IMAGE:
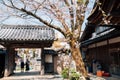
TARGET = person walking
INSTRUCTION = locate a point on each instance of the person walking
(27, 65)
(22, 66)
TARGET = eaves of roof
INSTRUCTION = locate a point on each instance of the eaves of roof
(26, 33)
(114, 33)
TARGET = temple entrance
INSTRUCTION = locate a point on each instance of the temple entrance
(15, 37)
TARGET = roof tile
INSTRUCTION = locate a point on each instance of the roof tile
(26, 33)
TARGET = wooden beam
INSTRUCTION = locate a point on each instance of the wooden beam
(115, 13)
(32, 45)
(112, 26)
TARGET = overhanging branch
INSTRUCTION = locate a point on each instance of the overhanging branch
(43, 21)
(71, 13)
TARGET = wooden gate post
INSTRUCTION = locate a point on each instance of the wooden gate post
(9, 61)
(6, 63)
(42, 62)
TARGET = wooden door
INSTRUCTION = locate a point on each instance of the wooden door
(49, 64)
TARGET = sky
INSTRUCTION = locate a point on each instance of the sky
(87, 13)
(13, 20)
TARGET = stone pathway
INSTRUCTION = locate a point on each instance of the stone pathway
(34, 75)
(31, 75)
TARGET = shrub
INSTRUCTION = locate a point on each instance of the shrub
(74, 75)
(65, 73)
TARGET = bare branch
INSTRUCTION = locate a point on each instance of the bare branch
(23, 3)
(71, 11)
(59, 16)
(3, 2)
(39, 6)
(43, 21)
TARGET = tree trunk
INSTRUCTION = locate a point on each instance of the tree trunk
(76, 54)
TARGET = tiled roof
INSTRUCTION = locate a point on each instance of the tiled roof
(25, 33)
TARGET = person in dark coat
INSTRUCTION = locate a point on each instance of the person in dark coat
(22, 66)
(15, 66)
(27, 65)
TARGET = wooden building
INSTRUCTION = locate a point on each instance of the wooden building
(50, 62)
(23, 36)
(101, 39)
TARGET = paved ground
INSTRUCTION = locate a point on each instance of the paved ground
(31, 75)
(112, 78)
(94, 77)
(34, 75)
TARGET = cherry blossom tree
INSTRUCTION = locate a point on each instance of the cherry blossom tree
(65, 16)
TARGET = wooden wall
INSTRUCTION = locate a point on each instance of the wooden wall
(106, 53)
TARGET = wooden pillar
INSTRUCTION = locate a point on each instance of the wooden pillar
(9, 61)
(42, 62)
(96, 50)
(6, 63)
(108, 52)
(39, 60)
(12, 60)
(55, 63)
